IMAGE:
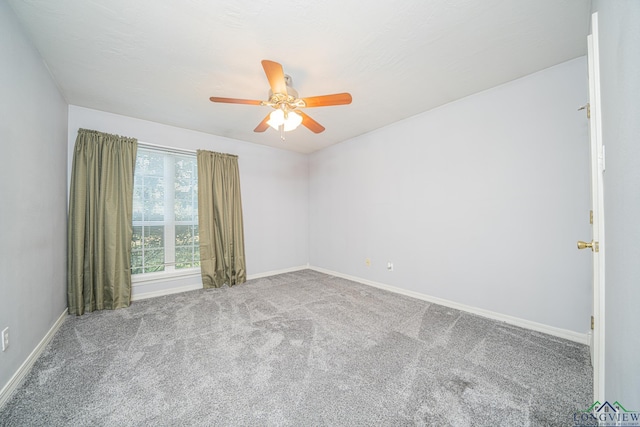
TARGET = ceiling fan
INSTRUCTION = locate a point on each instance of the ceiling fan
(283, 98)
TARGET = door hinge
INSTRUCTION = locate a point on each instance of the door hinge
(587, 107)
(592, 322)
(590, 217)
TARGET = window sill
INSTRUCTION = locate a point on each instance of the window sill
(164, 276)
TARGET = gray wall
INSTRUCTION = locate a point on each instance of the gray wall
(619, 25)
(33, 149)
(274, 189)
(479, 202)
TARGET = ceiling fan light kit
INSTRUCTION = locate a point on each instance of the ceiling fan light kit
(289, 120)
(283, 98)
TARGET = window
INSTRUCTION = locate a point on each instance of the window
(165, 212)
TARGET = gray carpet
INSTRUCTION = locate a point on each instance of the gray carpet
(299, 349)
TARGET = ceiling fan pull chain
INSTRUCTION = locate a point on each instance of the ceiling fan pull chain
(282, 132)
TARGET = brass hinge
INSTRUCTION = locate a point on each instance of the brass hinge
(592, 322)
(588, 108)
(590, 217)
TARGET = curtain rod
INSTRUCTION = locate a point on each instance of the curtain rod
(143, 144)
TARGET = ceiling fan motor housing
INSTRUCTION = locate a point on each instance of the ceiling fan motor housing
(290, 90)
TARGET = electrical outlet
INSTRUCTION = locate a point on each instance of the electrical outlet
(390, 266)
(5, 338)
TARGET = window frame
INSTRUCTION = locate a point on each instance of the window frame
(169, 222)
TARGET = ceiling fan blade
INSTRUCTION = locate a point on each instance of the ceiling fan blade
(311, 124)
(235, 101)
(275, 75)
(263, 125)
(326, 100)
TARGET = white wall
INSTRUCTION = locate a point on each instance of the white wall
(33, 149)
(479, 202)
(620, 86)
(274, 187)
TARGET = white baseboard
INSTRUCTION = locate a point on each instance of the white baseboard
(516, 321)
(179, 289)
(26, 366)
(276, 272)
(162, 292)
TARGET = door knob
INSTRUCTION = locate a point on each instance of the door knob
(584, 245)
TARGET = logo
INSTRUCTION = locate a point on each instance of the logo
(607, 414)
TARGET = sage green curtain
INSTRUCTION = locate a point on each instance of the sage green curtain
(220, 225)
(100, 222)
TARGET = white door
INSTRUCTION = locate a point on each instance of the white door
(597, 235)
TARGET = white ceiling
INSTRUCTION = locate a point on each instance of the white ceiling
(161, 60)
